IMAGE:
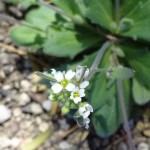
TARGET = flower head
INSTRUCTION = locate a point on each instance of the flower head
(85, 110)
(62, 79)
(76, 95)
(82, 73)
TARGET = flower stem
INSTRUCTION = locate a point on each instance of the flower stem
(124, 114)
(98, 58)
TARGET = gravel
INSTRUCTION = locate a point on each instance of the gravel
(5, 113)
(33, 108)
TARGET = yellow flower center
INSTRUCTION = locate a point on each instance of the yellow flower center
(76, 94)
(64, 83)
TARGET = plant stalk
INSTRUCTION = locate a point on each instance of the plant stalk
(117, 14)
(124, 114)
(98, 58)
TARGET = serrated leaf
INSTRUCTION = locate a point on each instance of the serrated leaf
(67, 43)
(141, 94)
(122, 73)
(100, 12)
(27, 36)
(41, 17)
(137, 12)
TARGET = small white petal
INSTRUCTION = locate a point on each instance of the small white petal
(71, 96)
(87, 120)
(59, 76)
(78, 72)
(86, 114)
(89, 107)
(81, 92)
(69, 75)
(56, 88)
(77, 99)
(70, 87)
(53, 71)
(84, 84)
(86, 73)
(76, 89)
(86, 126)
(81, 111)
(52, 82)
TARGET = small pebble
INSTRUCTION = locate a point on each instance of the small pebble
(122, 146)
(147, 133)
(64, 145)
(5, 142)
(5, 113)
(15, 142)
(47, 104)
(25, 85)
(33, 108)
(143, 146)
(43, 126)
(23, 99)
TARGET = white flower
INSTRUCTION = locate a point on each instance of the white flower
(76, 94)
(83, 122)
(81, 72)
(86, 122)
(85, 110)
(81, 75)
(62, 79)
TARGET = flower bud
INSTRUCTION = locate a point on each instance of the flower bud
(65, 110)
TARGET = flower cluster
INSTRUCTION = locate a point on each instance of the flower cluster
(69, 89)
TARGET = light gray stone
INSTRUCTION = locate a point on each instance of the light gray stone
(5, 113)
(64, 145)
(47, 104)
(33, 108)
(25, 85)
(23, 99)
(143, 146)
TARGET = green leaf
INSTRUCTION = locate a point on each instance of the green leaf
(27, 36)
(41, 17)
(12, 1)
(141, 94)
(138, 14)
(122, 73)
(37, 141)
(107, 115)
(27, 3)
(138, 57)
(101, 12)
(74, 8)
(45, 76)
(67, 43)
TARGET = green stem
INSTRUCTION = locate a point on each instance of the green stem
(98, 58)
(124, 114)
(117, 13)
